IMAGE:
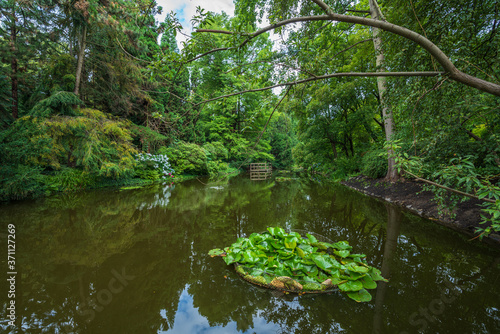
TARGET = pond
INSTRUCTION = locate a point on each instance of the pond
(135, 261)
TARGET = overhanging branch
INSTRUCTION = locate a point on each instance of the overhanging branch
(425, 43)
(448, 188)
(328, 76)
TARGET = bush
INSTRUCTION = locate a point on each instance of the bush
(187, 158)
(374, 164)
(217, 167)
(344, 167)
(69, 179)
(21, 182)
(153, 167)
(216, 151)
(98, 143)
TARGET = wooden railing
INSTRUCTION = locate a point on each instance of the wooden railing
(260, 171)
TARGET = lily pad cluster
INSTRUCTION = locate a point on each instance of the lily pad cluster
(290, 262)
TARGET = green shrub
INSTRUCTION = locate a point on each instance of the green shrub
(374, 164)
(187, 158)
(69, 179)
(21, 182)
(217, 167)
(344, 167)
(146, 139)
(153, 166)
(147, 174)
(216, 151)
(93, 141)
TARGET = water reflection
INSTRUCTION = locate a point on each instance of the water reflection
(135, 261)
(189, 320)
(390, 246)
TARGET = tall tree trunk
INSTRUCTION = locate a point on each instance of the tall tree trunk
(79, 65)
(376, 14)
(334, 148)
(13, 65)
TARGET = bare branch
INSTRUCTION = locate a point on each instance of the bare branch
(121, 46)
(358, 11)
(273, 63)
(207, 53)
(328, 76)
(169, 93)
(350, 47)
(221, 32)
(449, 189)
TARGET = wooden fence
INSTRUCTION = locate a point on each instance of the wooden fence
(260, 171)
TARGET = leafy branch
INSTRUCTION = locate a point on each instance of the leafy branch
(459, 173)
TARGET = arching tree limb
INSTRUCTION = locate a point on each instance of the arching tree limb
(430, 47)
(327, 76)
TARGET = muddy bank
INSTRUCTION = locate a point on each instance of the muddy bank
(409, 195)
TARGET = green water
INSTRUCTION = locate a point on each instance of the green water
(135, 261)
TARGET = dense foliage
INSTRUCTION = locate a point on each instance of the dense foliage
(290, 262)
(86, 86)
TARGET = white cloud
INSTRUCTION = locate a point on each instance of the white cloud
(186, 9)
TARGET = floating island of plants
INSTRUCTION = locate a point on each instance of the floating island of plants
(292, 263)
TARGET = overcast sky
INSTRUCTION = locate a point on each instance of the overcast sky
(186, 9)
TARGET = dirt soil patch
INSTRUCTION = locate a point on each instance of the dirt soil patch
(409, 195)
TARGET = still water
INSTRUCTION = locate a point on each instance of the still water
(135, 261)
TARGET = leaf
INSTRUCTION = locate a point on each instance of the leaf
(216, 252)
(342, 245)
(271, 230)
(320, 245)
(342, 253)
(351, 286)
(336, 280)
(300, 252)
(230, 258)
(368, 282)
(311, 271)
(276, 231)
(249, 257)
(321, 261)
(312, 238)
(362, 256)
(291, 243)
(359, 269)
(256, 272)
(277, 245)
(360, 296)
(375, 274)
(307, 248)
(285, 254)
(353, 276)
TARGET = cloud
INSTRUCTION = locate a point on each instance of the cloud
(186, 9)
(189, 320)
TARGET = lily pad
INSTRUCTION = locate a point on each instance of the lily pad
(360, 296)
(216, 252)
(351, 286)
(288, 261)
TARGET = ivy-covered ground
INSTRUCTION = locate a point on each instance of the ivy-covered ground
(409, 194)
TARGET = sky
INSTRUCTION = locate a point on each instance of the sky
(189, 320)
(186, 9)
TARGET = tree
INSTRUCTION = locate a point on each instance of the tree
(280, 18)
(388, 119)
(20, 44)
